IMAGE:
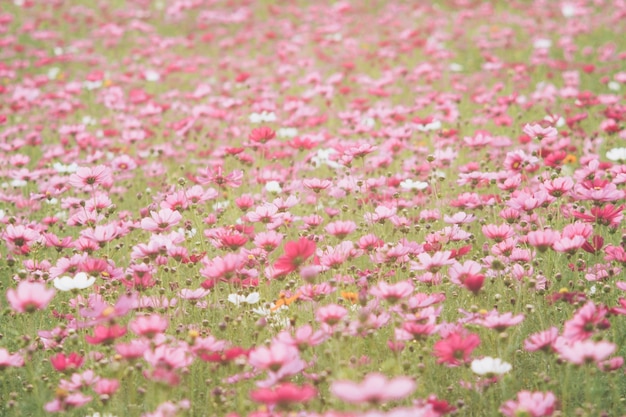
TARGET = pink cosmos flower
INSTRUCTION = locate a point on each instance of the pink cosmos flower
(132, 350)
(275, 357)
(29, 296)
(19, 238)
(569, 245)
(296, 253)
(542, 340)
(330, 314)
(543, 239)
(106, 387)
(168, 357)
(392, 293)
(63, 363)
(340, 229)
(455, 349)
(588, 319)
(374, 389)
(304, 337)
(284, 394)
(7, 359)
(585, 351)
(216, 176)
(148, 326)
(105, 335)
(89, 178)
(467, 274)
(432, 263)
(500, 322)
(161, 221)
(316, 185)
(66, 401)
(532, 404)
(498, 232)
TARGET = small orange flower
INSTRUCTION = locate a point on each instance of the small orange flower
(570, 159)
(350, 296)
(283, 300)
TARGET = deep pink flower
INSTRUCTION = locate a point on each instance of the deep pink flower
(284, 394)
(296, 253)
(105, 335)
(261, 135)
(467, 274)
(455, 349)
(64, 363)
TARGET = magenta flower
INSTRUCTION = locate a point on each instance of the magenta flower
(374, 389)
(29, 296)
(284, 394)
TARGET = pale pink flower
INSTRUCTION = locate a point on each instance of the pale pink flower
(89, 178)
(392, 292)
(275, 357)
(169, 357)
(161, 221)
(585, 351)
(7, 359)
(148, 326)
(29, 296)
(543, 239)
(432, 263)
(531, 404)
(375, 389)
(542, 341)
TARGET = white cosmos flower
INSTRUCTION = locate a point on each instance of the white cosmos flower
(62, 169)
(273, 187)
(428, 127)
(287, 132)
(262, 117)
(238, 299)
(151, 75)
(80, 281)
(616, 154)
(490, 366)
(409, 184)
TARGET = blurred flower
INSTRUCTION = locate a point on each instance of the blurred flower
(375, 389)
(80, 281)
(490, 367)
(29, 296)
(238, 299)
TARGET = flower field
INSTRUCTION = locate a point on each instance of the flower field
(312, 208)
